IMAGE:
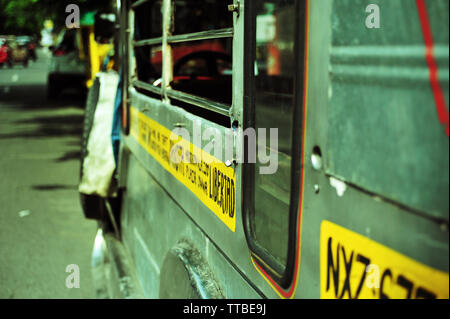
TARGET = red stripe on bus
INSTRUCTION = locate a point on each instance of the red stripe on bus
(439, 99)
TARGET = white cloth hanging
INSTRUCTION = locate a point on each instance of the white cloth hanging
(99, 165)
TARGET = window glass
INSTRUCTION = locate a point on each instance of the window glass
(148, 25)
(274, 103)
(204, 68)
(201, 15)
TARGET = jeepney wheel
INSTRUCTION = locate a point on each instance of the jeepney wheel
(25, 63)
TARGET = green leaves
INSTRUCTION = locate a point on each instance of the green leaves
(27, 16)
(20, 16)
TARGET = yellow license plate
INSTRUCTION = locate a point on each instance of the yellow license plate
(353, 266)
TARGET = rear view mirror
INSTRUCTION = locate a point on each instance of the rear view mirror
(104, 27)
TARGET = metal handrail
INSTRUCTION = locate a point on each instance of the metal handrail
(138, 3)
(147, 87)
(196, 36)
(145, 42)
(207, 104)
(203, 35)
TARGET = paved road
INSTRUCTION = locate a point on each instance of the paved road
(42, 228)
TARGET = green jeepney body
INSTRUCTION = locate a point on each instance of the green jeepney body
(372, 212)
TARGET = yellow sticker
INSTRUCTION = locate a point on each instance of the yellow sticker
(353, 266)
(204, 175)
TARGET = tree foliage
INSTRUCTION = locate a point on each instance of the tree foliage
(27, 16)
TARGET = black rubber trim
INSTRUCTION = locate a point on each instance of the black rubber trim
(282, 274)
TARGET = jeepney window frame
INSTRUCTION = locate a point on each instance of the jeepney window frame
(165, 91)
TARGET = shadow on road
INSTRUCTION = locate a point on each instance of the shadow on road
(71, 155)
(34, 97)
(49, 126)
(53, 187)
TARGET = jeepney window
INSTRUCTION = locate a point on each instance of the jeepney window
(197, 60)
(148, 25)
(198, 57)
(201, 15)
(203, 69)
(274, 70)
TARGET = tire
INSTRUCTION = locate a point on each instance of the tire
(25, 63)
(94, 207)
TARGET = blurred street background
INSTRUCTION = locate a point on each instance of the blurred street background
(42, 227)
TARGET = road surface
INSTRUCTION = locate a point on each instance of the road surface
(42, 227)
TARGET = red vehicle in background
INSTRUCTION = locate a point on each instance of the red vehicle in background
(12, 52)
(202, 69)
(28, 42)
(3, 51)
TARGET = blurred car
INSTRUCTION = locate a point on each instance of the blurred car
(23, 39)
(15, 53)
(67, 69)
(3, 51)
(30, 43)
